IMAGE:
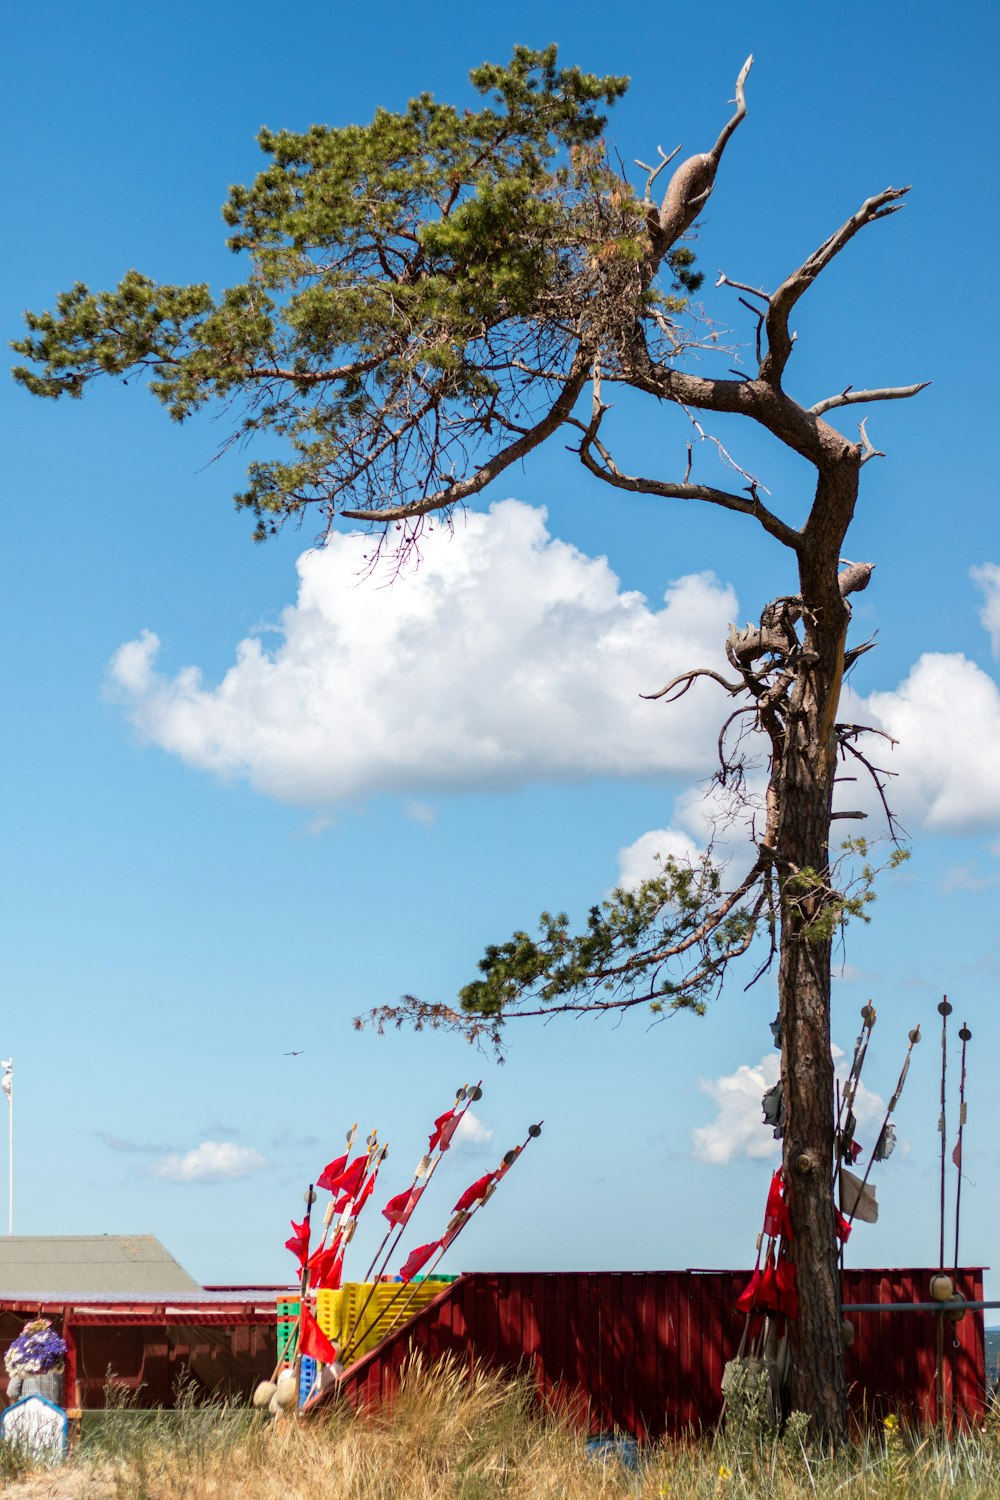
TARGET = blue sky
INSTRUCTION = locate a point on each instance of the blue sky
(188, 895)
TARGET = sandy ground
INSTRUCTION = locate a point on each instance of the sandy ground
(68, 1482)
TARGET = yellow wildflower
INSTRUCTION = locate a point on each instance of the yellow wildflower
(725, 1473)
(891, 1422)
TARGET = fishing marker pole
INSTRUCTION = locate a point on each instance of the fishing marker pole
(426, 1167)
(455, 1226)
(966, 1036)
(914, 1038)
(944, 1010)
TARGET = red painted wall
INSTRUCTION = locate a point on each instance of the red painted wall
(643, 1352)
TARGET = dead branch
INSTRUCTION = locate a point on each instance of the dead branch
(691, 184)
(654, 172)
(779, 340)
(868, 449)
(850, 397)
(846, 733)
(687, 678)
(741, 109)
(741, 286)
(607, 470)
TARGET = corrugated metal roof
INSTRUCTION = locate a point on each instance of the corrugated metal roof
(89, 1264)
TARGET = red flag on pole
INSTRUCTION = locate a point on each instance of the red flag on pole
(399, 1209)
(326, 1264)
(363, 1196)
(474, 1194)
(298, 1244)
(444, 1128)
(776, 1221)
(314, 1342)
(328, 1268)
(349, 1182)
(331, 1174)
(417, 1259)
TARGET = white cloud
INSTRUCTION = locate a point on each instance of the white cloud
(988, 578)
(946, 716)
(642, 860)
(507, 657)
(738, 1133)
(471, 1131)
(212, 1161)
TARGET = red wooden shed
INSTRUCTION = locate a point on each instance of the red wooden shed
(643, 1351)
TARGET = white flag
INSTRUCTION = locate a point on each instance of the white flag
(7, 1082)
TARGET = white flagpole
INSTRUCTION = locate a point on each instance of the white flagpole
(7, 1084)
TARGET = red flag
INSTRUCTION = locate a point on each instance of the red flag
(298, 1244)
(776, 1221)
(352, 1179)
(417, 1259)
(331, 1174)
(363, 1196)
(444, 1128)
(317, 1256)
(841, 1228)
(314, 1342)
(328, 1267)
(399, 1209)
(747, 1300)
(474, 1194)
(788, 1297)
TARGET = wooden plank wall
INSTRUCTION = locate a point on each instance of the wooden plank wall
(643, 1352)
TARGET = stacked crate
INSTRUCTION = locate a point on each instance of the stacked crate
(390, 1303)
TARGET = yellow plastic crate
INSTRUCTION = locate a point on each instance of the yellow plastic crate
(392, 1302)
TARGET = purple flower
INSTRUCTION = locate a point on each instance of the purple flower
(35, 1351)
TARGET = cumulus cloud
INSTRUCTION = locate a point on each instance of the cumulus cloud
(946, 717)
(737, 1133)
(507, 657)
(643, 859)
(212, 1161)
(471, 1131)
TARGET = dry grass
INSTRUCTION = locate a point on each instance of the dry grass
(448, 1438)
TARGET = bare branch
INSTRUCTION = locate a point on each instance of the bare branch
(868, 449)
(691, 185)
(687, 678)
(654, 172)
(792, 288)
(741, 286)
(741, 109)
(453, 494)
(850, 397)
(608, 471)
(846, 733)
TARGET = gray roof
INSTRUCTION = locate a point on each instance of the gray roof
(89, 1264)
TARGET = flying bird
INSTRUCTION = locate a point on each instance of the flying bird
(294, 1054)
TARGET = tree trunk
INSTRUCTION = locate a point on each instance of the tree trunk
(806, 772)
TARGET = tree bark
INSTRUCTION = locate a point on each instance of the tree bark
(804, 772)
